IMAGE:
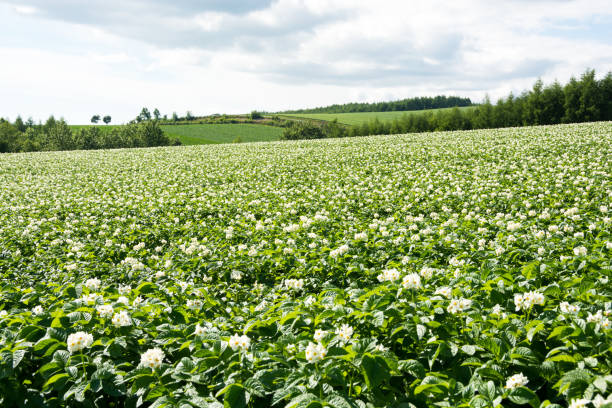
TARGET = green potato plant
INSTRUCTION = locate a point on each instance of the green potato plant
(451, 269)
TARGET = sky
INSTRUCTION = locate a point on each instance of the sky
(77, 58)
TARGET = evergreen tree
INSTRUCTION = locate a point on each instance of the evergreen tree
(552, 104)
(535, 106)
(589, 100)
(605, 87)
(571, 103)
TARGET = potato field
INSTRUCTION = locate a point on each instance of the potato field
(451, 269)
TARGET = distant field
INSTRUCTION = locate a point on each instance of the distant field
(103, 128)
(210, 133)
(222, 133)
(358, 118)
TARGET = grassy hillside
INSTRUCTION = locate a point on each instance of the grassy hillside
(103, 128)
(358, 118)
(222, 133)
(210, 133)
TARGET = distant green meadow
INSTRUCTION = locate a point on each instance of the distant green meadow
(357, 118)
(197, 134)
(222, 133)
(103, 128)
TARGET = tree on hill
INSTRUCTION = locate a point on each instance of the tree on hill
(95, 118)
(144, 115)
(106, 119)
(156, 114)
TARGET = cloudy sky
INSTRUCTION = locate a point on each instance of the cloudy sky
(75, 58)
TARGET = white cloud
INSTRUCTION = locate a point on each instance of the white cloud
(27, 10)
(220, 56)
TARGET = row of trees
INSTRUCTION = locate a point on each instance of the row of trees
(409, 104)
(57, 135)
(305, 129)
(580, 100)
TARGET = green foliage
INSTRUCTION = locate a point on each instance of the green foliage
(254, 115)
(303, 130)
(57, 135)
(9, 135)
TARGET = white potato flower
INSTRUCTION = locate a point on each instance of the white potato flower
(240, 342)
(294, 284)
(411, 281)
(123, 300)
(93, 284)
(319, 335)
(79, 341)
(105, 310)
(389, 275)
(528, 299)
(344, 332)
(361, 236)
(90, 298)
(122, 318)
(579, 403)
(515, 381)
(194, 304)
(565, 307)
(458, 305)
(444, 291)
(600, 401)
(341, 250)
(38, 310)
(580, 251)
(152, 358)
(315, 352)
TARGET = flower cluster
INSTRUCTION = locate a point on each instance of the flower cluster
(458, 305)
(315, 352)
(515, 381)
(79, 341)
(527, 300)
(122, 318)
(294, 284)
(240, 342)
(390, 275)
(411, 281)
(152, 358)
(344, 332)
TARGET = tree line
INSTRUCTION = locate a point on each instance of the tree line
(57, 135)
(579, 100)
(408, 104)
